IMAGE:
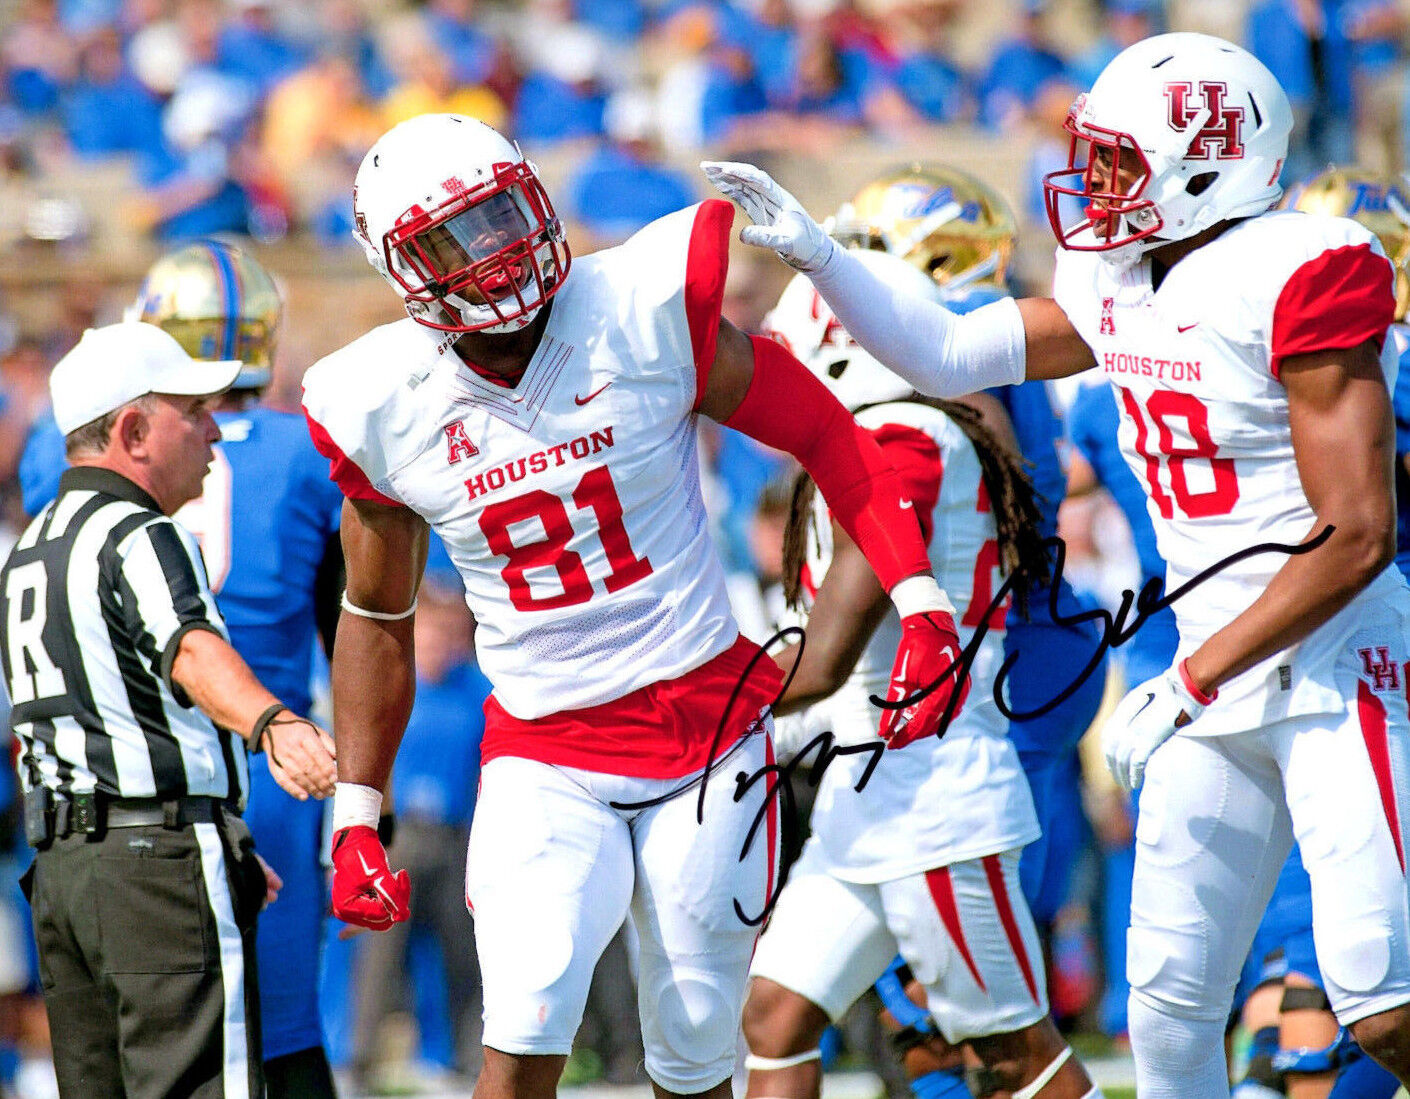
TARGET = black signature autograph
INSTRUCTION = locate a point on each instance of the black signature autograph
(1117, 629)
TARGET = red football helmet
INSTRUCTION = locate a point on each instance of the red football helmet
(452, 215)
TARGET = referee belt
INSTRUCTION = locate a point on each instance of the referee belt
(90, 813)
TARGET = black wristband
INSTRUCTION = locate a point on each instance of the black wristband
(386, 828)
(261, 724)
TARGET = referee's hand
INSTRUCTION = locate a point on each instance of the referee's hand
(302, 757)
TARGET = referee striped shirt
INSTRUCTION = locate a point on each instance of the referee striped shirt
(94, 601)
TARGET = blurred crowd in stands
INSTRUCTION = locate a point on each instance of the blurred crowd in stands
(249, 117)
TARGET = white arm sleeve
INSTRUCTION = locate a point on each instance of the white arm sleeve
(942, 354)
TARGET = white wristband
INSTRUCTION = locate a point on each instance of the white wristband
(919, 595)
(380, 616)
(354, 804)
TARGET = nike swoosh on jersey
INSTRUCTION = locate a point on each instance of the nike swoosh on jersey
(580, 401)
(908, 504)
(1186, 327)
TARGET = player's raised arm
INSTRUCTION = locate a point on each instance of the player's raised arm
(374, 683)
(940, 353)
(757, 387)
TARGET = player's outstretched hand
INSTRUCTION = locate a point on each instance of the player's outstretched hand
(780, 222)
(927, 660)
(365, 891)
(1146, 718)
(302, 757)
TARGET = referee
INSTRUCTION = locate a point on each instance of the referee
(145, 885)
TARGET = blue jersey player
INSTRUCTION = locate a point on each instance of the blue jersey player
(267, 522)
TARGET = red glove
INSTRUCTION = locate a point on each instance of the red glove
(365, 891)
(929, 649)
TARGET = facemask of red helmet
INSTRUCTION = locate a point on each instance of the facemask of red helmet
(1098, 202)
(490, 256)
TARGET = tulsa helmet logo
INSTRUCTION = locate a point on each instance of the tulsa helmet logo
(1222, 135)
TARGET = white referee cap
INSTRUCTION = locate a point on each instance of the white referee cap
(113, 365)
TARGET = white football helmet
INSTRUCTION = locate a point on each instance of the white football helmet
(805, 324)
(1180, 132)
(452, 215)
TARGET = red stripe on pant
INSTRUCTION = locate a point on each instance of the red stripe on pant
(1372, 713)
(994, 871)
(771, 817)
(942, 892)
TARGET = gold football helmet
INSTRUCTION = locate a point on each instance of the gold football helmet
(1380, 203)
(218, 303)
(955, 228)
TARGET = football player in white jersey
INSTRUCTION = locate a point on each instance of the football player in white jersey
(1248, 348)
(542, 420)
(915, 850)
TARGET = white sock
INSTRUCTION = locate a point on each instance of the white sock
(1176, 1057)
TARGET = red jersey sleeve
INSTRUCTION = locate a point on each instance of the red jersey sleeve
(915, 456)
(1337, 300)
(706, 265)
(342, 469)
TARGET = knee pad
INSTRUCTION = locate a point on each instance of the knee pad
(915, 1021)
(1339, 1052)
(1260, 1072)
(941, 1084)
(1299, 998)
(690, 1036)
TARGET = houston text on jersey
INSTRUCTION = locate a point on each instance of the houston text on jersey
(538, 462)
(1147, 366)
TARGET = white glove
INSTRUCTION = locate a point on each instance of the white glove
(1145, 719)
(780, 222)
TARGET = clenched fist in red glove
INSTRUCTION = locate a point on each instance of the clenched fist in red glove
(365, 891)
(929, 649)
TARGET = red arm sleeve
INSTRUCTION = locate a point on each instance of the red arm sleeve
(1338, 300)
(343, 470)
(706, 265)
(915, 457)
(789, 409)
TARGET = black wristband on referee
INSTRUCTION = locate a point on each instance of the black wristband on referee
(261, 724)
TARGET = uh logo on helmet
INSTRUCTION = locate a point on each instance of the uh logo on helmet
(456, 220)
(1180, 132)
(806, 325)
(219, 303)
(1379, 203)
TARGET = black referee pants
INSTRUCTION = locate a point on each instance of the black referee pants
(147, 961)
